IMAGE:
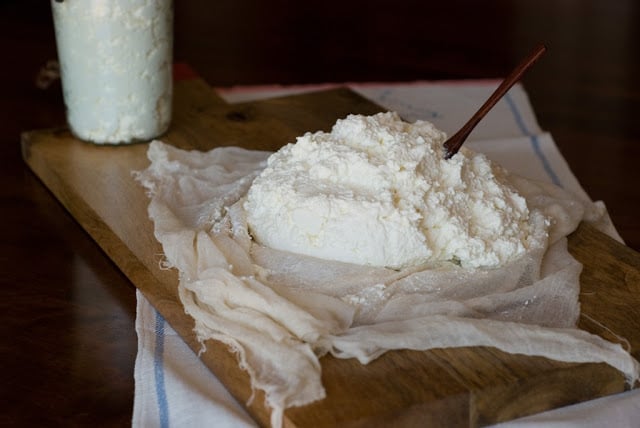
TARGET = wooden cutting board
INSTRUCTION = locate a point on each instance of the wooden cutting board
(443, 387)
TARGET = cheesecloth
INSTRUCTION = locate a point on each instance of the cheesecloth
(280, 312)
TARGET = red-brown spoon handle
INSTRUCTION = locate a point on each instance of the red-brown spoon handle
(453, 144)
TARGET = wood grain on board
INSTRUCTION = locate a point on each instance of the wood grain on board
(443, 387)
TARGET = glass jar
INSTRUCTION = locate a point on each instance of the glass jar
(116, 67)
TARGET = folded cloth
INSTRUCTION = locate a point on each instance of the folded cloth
(172, 386)
(508, 135)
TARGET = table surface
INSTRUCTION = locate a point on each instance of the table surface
(68, 340)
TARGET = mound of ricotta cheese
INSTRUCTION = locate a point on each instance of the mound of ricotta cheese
(377, 191)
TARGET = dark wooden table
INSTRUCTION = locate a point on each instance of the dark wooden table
(68, 339)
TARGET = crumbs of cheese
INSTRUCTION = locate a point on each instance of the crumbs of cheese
(377, 191)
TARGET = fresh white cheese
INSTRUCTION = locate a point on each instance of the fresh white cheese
(116, 67)
(377, 191)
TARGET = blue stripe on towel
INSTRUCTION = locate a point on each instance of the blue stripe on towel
(533, 138)
(158, 370)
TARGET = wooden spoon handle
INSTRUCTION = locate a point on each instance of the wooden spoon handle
(453, 144)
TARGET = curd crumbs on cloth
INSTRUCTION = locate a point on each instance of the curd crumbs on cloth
(377, 191)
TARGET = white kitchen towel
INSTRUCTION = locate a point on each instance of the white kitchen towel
(174, 389)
